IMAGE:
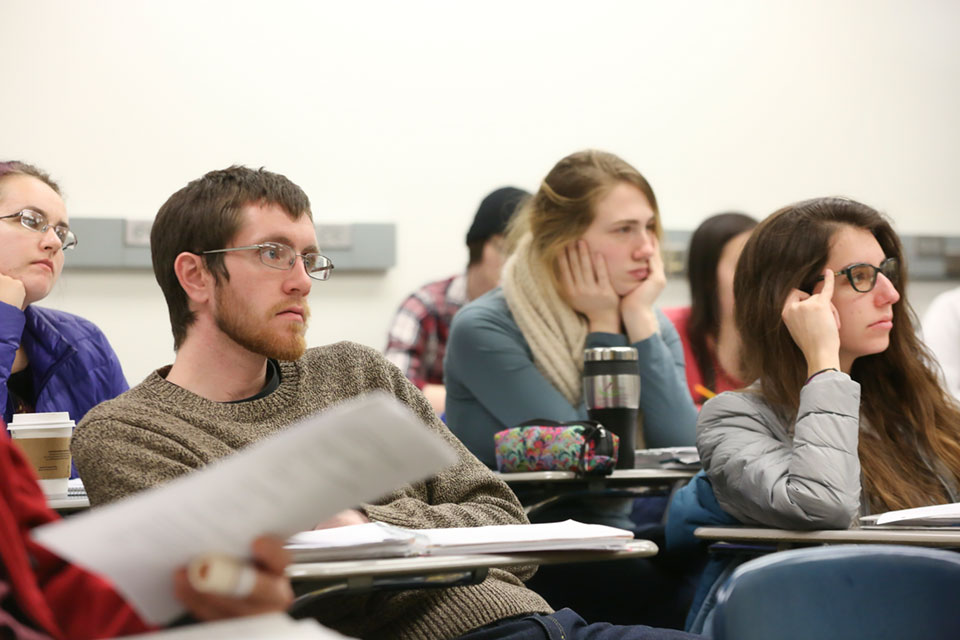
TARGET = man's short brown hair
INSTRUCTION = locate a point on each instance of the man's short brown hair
(206, 214)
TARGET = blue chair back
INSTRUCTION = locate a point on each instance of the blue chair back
(849, 591)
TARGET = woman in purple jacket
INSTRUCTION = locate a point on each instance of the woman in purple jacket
(49, 360)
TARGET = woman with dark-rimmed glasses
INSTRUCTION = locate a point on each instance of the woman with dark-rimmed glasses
(49, 360)
(846, 415)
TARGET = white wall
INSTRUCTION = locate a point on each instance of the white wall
(410, 112)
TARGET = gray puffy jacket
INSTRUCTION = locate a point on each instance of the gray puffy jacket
(798, 472)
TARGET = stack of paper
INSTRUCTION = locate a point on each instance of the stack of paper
(273, 626)
(300, 476)
(361, 541)
(357, 542)
(940, 515)
(668, 458)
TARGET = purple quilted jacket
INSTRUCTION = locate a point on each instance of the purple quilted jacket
(74, 368)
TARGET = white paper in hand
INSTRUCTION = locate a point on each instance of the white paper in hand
(353, 453)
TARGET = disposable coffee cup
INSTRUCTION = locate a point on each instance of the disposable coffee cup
(45, 440)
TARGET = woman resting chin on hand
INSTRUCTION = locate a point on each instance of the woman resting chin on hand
(585, 271)
(49, 360)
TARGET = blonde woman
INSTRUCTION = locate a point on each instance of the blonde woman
(585, 271)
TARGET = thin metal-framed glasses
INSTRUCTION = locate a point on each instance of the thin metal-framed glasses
(36, 221)
(863, 276)
(280, 256)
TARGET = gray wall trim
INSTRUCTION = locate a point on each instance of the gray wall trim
(113, 243)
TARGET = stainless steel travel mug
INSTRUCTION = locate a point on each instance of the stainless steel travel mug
(611, 391)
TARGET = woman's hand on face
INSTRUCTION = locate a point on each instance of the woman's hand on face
(12, 291)
(636, 307)
(588, 288)
(814, 325)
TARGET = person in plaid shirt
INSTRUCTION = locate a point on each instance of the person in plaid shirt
(419, 330)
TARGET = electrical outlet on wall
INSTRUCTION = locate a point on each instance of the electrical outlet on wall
(931, 246)
(136, 233)
(334, 237)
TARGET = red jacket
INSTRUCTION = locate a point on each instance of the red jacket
(59, 598)
(680, 317)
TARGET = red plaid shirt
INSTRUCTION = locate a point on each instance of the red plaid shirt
(418, 334)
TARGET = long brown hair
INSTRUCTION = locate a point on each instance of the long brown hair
(703, 257)
(913, 426)
(563, 207)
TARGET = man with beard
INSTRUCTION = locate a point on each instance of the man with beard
(235, 254)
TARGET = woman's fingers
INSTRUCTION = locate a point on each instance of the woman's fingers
(12, 291)
(813, 323)
(576, 268)
(587, 272)
(828, 283)
(566, 273)
(603, 276)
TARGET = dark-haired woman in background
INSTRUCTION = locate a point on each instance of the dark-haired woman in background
(711, 346)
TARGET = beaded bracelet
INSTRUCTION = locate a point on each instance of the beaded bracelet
(819, 372)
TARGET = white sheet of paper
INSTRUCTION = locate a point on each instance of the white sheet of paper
(271, 626)
(934, 515)
(353, 453)
(370, 540)
(546, 536)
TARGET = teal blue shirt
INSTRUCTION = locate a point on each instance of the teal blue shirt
(492, 382)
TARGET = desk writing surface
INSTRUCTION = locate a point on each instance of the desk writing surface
(913, 536)
(431, 564)
(620, 476)
(70, 503)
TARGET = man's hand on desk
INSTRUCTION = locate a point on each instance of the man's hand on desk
(263, 589)
(344, 519)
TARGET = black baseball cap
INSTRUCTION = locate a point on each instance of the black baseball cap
(495, 212)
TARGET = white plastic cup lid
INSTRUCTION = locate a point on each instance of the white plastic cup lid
(34, 420)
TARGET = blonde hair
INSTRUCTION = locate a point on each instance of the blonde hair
(563, 207)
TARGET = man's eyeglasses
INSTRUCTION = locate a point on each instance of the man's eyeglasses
(863, 276)
(36, 221)
(283, 257)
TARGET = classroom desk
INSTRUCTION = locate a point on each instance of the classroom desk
(69, 504)
(620, 477)
(539, 489)
(783, 539)
(313, 579)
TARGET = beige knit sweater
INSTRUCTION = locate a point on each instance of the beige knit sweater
(158, 431)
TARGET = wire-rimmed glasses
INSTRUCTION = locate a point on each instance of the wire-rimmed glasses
(280, 256)
(36, 221)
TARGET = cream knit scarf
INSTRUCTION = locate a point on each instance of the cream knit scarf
(555, 332)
